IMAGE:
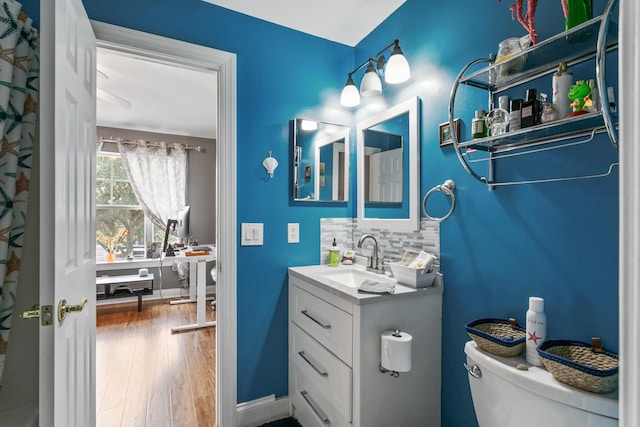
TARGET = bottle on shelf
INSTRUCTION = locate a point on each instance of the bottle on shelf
(561, 85)
(536, 330)
(514, 114)
(497, 121)
(479, 127)
(530, 110)
(549, 112)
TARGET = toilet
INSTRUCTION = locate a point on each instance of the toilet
(505, 396)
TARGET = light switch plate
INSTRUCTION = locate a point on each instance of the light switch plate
(252, 234)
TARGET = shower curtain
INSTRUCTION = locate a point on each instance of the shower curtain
(19, 78)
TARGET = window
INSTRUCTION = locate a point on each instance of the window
(121, 225)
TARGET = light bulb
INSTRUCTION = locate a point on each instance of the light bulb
(350, 96)
(397, 70)
(370, 84)
(308, 125)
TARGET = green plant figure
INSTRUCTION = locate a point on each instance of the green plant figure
(579, 94)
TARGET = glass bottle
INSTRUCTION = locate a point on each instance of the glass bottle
(497, 121)
(530, 110)
(479, 125)
(549, 112)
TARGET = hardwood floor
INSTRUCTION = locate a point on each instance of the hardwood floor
(148, 376)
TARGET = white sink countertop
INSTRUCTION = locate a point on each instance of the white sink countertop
(344, 281)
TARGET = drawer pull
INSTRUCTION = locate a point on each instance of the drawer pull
(323, 418)
(322, 374)
(315, 320)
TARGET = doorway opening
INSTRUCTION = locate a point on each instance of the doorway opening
(154, 49)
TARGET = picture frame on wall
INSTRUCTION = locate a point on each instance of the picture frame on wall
(444, 132)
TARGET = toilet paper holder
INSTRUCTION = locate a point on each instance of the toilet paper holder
(394, 374)
(397, 334)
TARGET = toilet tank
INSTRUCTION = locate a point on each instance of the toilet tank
(508, 397)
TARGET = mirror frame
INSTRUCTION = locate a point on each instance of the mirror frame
(412, 223)
(345, 134)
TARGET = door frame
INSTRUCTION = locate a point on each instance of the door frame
(629, 224)
(224, 63)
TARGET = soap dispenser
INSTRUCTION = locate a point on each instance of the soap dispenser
(536, 330)
(334, 254)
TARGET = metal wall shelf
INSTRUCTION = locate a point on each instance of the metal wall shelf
(573, 46)
(588, 41)
(582, 125)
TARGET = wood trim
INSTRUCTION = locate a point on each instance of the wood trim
(629, 232)
(188, 54)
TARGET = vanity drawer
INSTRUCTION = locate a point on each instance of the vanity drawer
(310, 407)
(326, 323)
(330, 375)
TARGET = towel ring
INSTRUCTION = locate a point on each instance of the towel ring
(447, 188)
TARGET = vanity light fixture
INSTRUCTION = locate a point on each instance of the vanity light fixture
(395, 70)
(370, 84)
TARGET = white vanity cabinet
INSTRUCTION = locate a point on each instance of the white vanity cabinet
(334, 353)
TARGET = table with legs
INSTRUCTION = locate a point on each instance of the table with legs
(197, 289)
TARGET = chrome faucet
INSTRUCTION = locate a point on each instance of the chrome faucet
(373, 262)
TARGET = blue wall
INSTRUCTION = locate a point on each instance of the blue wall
(556, 240)
(281, 74)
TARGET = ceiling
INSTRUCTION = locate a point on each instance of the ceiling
(139, 94)
(342, 21)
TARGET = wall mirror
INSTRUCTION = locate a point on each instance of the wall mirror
(388, 168)
(320, 156)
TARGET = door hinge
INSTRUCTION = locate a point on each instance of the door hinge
(44, 313)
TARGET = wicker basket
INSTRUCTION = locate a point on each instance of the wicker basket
(584, 366)
(498, 336)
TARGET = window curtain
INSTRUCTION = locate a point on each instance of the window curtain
(19, 79)
(158, 174)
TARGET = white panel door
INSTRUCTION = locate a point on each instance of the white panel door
(67, 213)
(385, 176)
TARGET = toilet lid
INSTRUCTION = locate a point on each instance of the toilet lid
(540, 381)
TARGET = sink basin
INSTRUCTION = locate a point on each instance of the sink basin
(353, 277)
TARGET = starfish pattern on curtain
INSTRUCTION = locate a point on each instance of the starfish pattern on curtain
(19, 80)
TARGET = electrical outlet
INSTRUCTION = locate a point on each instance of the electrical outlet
(293, 232)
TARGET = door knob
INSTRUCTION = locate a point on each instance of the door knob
(64, 309)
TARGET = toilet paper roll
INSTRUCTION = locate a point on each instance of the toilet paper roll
(395, 351)
(143, 272)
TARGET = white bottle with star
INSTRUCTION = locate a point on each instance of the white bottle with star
(536, 329)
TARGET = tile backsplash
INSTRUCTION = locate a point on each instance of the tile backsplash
(391, 244)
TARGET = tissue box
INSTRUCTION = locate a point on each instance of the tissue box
(414, 277)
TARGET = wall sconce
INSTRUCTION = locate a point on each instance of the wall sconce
(270, 164)
(395, 70)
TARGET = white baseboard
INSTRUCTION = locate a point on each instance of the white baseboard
(263, 410)
(169, 293)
